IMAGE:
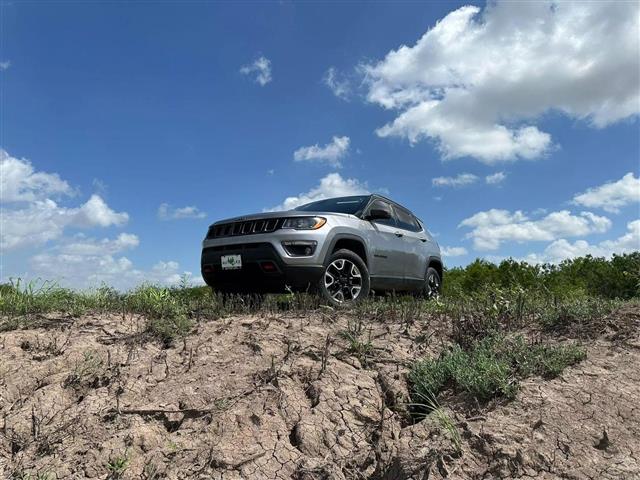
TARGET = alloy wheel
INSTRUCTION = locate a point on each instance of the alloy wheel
(343, 280)
(432, 285)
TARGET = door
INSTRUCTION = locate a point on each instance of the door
(386, 245)
(414, 253)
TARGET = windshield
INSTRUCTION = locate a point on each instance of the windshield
(350, 205)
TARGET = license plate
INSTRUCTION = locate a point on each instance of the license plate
(231, 262)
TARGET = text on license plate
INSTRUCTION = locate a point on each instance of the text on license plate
(231, 262)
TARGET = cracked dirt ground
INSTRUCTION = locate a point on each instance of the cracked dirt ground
(281, 396)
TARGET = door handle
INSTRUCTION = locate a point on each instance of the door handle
(398, 234)
(423, 240)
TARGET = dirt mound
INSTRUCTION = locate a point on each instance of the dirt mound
(318, 396)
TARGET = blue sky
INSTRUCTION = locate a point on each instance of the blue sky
(126, 129)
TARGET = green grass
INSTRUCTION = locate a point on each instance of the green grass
(117, 466)
(479, 298)
(491, 368)
(427, 406)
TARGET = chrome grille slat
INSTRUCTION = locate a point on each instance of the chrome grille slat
(248, 227)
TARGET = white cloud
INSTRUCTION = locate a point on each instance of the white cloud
(90, 270)
(562, 249)
(458, 181)
(337, 83)
(260, 68)
(81, 245)
(612, 195)
(19, 182)
(476, 82)
(333, 185)
(31, 217)
(493, 227)
(166, 212)
(332, 153)
(495, 178)
(453, 251)
(96, 213)
(45, 220)
(84, 263)
(5, 65)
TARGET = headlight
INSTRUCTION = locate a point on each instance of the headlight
(304, 223)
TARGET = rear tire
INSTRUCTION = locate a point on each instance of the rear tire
(345, 279)
(432, 284)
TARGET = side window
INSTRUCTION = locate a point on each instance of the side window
(406, 221)
(391, 222)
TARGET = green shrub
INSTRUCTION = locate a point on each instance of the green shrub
(587, 276)
(491, 368)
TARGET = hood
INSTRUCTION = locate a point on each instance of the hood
(283, 214)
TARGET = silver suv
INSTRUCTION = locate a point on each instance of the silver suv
(342, 247)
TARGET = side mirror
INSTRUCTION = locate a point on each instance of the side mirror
(379, 213)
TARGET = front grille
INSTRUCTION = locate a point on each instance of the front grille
(249, 227)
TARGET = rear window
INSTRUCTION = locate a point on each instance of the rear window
(351, 205)
(406, 221)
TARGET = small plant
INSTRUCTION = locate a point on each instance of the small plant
(166, 312)
(117, 466)
(353, 333)
(88, 372)
(428, 406)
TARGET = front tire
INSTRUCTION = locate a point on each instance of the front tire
(345, 279)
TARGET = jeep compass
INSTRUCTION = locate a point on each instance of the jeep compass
(342, 247)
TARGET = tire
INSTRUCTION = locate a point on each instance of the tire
(432, 284)
(345, 279)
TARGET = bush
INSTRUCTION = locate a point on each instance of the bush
(491, 368)
(615, 278)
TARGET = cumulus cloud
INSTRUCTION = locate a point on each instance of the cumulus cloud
(460, 180)
(81, 245)
(259, 69)
(493, 227)
(477, 82)
(167, 212)
(45, 220)
(333, 185)
(332, 153)
(611, 196)
(85, 262)
(19, 182)
(495, 178)
(562, 249)
(31, 217)
(5, 65)
(90, 270)
(337, 83)
(453, 251)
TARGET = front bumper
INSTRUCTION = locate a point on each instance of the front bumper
(253, 277)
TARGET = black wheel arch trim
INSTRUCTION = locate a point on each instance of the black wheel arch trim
(436, 262)
(347, 236)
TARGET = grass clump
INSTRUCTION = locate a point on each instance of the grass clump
(491, 368)
(579, 314)
(428, 406)
(353, 334)
(117, 466)
(166, 312)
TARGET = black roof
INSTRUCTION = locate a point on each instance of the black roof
(382, 197)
